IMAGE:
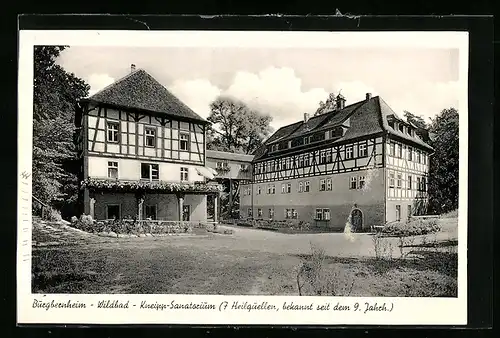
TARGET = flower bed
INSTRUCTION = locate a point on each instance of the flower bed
(134, 227)
(412, 228)
(119, 185)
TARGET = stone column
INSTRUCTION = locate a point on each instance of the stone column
(216, 207)
(92, 207)
(181, 205)
(140, 204)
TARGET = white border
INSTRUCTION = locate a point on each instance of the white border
(407, 311)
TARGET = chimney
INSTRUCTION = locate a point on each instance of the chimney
(132, 68)
(340, 102)
(368, 96)
(306, 117)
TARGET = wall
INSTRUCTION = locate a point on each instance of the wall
(406, 195)
(340, 199)
(130, 169)
(132, 137)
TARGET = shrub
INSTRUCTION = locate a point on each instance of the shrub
(54, 215)
(74, 219)
(412, 228)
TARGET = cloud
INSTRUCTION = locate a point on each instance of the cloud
(197, 94)
(98, 81)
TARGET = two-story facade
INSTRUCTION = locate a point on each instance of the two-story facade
(232, 170)
(359, 160)
(142, 153)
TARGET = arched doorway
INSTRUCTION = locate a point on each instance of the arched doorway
(357, 220)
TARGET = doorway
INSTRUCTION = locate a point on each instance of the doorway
(113, 211)
(357, 220)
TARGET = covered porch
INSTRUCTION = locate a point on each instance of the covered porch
(114, 199)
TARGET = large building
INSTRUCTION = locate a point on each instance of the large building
(142, 153)
(359, 160)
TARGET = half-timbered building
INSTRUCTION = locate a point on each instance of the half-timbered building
(142, 153)
(358, 162)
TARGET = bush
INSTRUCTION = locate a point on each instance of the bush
(54, 215)
(412, 228)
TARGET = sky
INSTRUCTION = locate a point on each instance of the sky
(282, 82)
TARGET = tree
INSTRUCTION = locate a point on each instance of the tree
(236, 127)
(416, 120)
(326, 106)
(444, 165)
(55, 94)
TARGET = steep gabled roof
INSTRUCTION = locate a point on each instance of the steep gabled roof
(139, 90)
(368, 117)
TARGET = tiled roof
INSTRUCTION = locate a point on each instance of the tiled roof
(139, 90)
(223, 155)
(367, 117)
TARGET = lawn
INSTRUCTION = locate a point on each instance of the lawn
(226, 264)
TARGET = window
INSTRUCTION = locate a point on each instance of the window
(328, 184)
(243, 167)
(259, 212)
(424, 158)
(288, 213)
(301, 161)
(113, 129)
(149, 171)
(424, 187)
(361, 182)
(249, 212)
(184, 174)
(184, 141)
(288, 188)
(391, 180)
(283, 188)
(271, 213)
(409, 182)
(329, 156)
(399, 181)
(418, 184)
(398, 213)
(301, 186)
(112, 211)
(348, 152)
(306, 160)
(150, 212)
(259, 190)
(418, 156)
(362, 150)
(113, 169)
(295, 214)
(392, 148)
(400, 150)
(322, 185)
(306, 186)
(353, 183)
(306, 140)
(409, 211)
(322, 158)
(401, 128)
(410, 154)
(322, 214)
(150, 137)
(271, 189)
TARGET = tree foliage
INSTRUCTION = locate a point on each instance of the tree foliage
(55, 94)
(326, 106)
(416, 120)
(236, 127)
(444, 164)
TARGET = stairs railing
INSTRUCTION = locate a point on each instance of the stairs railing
(40, 209)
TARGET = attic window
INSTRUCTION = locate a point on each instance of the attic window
(337, 132)
(401, 128)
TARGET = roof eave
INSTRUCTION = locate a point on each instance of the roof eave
(152, 112)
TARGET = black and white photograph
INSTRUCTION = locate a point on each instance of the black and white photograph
(296, 166)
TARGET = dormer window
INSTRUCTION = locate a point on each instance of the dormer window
(391, 124)
(401, 128)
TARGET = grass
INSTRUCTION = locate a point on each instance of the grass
(186, 267)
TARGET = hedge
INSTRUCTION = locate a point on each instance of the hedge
(411, 228)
